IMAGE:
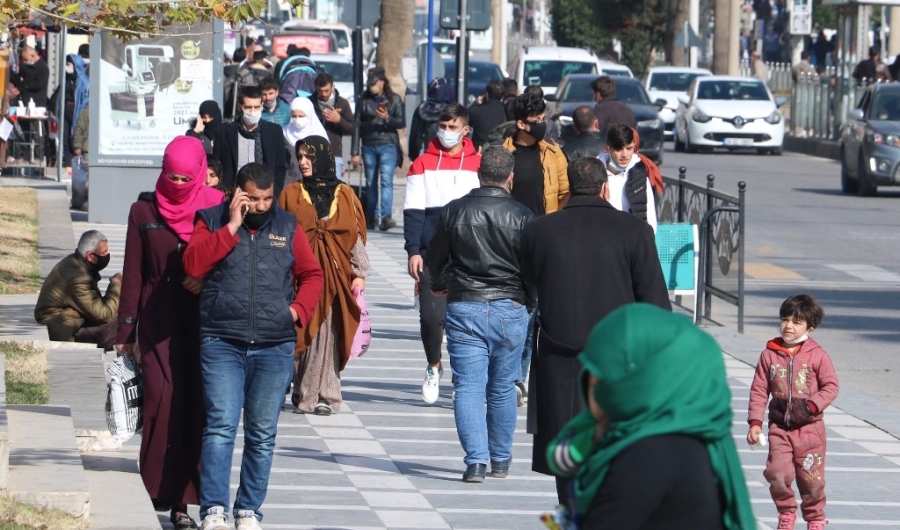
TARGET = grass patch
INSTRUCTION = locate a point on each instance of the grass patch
(26, 375)
(20, 516)
(19, 271)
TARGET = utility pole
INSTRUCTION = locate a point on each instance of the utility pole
(462, 56)
(694, 20)
(497, 32)
(894, 38)
(542, 32)
(734, 38)
(720, 37)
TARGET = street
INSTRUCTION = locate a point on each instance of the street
(804, 235)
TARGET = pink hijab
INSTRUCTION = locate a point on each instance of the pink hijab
(178, 203)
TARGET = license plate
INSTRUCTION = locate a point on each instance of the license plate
(738, 142)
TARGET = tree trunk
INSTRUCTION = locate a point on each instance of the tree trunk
(394, 38)
(677, 16)
(721, 37)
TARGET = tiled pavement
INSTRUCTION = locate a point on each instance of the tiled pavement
(388, 460)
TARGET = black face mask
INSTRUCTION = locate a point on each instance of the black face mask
(255, 221)
(538, 130)
(102, 262)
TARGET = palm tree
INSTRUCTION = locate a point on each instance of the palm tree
(394, 38)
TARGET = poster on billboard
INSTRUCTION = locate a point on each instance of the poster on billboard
(148, 92)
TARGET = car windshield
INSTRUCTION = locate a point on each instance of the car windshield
(615, 72)
(478, 73)
(733, 90)
(672, 81)
(341, 72)
(632, 93)
(578, 89)
(886, 107)
(551, 72)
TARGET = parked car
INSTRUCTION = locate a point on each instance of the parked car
(340, 67)
(729, 112)
(870, 141)
(667, 83)
(575, 90)
(613, 69)
(480, 72)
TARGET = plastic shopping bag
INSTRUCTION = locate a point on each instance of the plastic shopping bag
(124, 410)
(363, 336)
(79, 181)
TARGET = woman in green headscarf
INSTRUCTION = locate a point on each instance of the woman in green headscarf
(653, 447)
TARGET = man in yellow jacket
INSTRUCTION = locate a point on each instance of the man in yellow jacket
(540, 182)
(70, 303)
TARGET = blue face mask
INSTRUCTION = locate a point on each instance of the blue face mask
(268, 106)
(614, 165)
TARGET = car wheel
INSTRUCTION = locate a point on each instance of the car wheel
(687, 143)
(848, 185)
(679, 145)
(777, 151)
(866, 187)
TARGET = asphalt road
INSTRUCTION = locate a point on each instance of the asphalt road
(804, 235)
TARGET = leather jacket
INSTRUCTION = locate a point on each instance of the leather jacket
(474, 253)
(588, 144)
(374, 131)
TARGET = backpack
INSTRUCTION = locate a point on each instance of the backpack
(298, 78)
(501, 132)
(252, 76)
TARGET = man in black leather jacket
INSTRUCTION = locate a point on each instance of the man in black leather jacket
(473, 258)
(588, 143)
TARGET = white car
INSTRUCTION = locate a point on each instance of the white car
(545, 66)
(729, 112)
(613, 69)
(340, 67)
(667, 83)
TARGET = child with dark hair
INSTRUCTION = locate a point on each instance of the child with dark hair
(214, 173)
(800, 377)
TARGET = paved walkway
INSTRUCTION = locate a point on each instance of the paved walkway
(388, 460)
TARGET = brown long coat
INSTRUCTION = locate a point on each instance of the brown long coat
(332, 241)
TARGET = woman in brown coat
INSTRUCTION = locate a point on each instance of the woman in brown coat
(335, 225)
(159, 310)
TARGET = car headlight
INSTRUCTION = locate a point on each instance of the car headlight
(884, 139)
(650, 124)
(774, 118)
(700, 117)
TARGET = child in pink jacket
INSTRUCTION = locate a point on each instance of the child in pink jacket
(799, 376)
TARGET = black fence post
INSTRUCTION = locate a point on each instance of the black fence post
(742, 188)
(707, 272)
(682, 175)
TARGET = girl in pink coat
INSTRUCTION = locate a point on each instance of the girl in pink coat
(800, 377)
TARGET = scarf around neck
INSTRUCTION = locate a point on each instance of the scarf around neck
(323, 182)
(256, 136)
(178, 203)
(670, 381)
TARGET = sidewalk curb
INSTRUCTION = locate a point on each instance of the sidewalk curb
(819, 147)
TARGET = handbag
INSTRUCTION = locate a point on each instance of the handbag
(363, 336)
(124, 407)
(79, 181)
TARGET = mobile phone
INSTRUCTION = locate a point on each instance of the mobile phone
(244, 210)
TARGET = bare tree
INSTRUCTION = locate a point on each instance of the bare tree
(394, 38)
(677, 12)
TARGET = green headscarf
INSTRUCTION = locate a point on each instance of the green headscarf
(659, 374)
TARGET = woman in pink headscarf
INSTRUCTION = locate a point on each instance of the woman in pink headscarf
(159, 312)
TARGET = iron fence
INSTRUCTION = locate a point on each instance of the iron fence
(720, 220)
(780, 79)
(820, 103)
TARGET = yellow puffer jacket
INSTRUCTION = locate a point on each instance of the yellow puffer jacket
(556, 180)
(70, 299)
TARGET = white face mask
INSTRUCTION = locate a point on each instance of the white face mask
(449, 139)
(70, 69)
(252, 118)
(799, 340)
(300, 122)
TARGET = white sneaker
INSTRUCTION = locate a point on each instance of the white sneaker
(431, 387)
(215, 519)
(246, 520)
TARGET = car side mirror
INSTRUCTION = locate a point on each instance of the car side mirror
(684, 99)
(780, 100)
(855, 114)
(660, 103)
(550, 97)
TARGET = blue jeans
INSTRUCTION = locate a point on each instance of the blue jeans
(484, 340)
(382, 158)
(237, 375)
(527, 350)
(339, 169)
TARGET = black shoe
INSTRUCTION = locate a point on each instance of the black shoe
(500, 469)
(387, 223)
(475, 473)
(183, 521)
(370, 223)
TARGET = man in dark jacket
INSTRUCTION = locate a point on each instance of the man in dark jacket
(260, 280)
(32, 79)
(585, 261)
(608, 108)
(250, 139)
(336, 116)
(474, 260)
(70, 303)
(485, 116)
(588, 143)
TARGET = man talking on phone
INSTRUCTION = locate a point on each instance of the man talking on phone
(251, 254)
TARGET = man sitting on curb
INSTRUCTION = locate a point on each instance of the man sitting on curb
(70, 303)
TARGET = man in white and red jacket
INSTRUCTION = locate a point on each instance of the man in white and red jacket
(446, 171)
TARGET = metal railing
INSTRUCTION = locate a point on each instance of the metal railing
(720, 219)
(780, 79)
(819, 105)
